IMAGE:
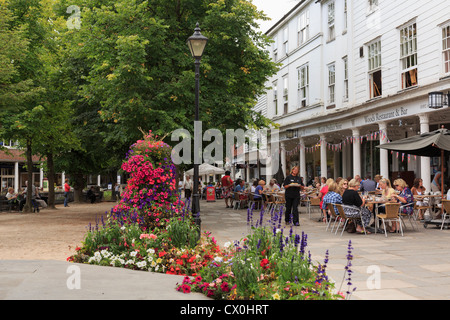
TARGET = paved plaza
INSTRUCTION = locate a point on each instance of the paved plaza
(413, 267)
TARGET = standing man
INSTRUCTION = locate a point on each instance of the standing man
(292, 184)
(66, 193)
(227, 185)
(187, 187)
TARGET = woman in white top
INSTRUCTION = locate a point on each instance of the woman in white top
(11, 195)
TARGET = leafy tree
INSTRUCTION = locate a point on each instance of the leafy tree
(136, 69)
(37, 117)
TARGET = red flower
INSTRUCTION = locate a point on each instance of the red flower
(224, 286)
(264, 264)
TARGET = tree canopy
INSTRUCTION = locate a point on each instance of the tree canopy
(124, 68)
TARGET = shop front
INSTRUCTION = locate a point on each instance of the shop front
(345, 144)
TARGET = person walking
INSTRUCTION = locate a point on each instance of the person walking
(66, 193)
(227, 185)
(292, 184)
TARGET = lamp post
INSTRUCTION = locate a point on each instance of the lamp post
(196, 44)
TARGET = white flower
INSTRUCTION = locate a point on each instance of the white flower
(218, 259)
(151, 251)
(133, 254)
(227, 244)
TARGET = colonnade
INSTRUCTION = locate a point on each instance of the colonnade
(425, 172)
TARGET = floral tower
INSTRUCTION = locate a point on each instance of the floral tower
(151, 196)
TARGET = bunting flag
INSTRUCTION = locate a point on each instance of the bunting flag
(337, 147)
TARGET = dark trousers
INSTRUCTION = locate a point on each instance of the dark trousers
(291, 208)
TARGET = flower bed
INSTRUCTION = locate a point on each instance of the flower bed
(152, 230)
(267, 265)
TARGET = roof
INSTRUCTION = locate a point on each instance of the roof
(14, 155)
(284, 17)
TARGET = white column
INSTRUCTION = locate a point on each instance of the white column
(247, 172)
(425, 170)
(99, 180)
(337, 164)
(16, 177)
(356, 152)
(384, 154)
(41, 177)
(283, 158)
(63, 179)
(323, 156)
(302, 161)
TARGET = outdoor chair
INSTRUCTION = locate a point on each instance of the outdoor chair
(446, 204)
(314, 203)
(411, 217)
(334, 216)
(342, 214)
(235, 200)
(421, 208)
(280, 201)
(392, 213)
(270, 203)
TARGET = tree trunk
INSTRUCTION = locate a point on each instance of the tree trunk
(78, 186)
(51, 181)
(28, 205)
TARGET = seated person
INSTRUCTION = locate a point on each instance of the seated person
(272, 186)
(240, 190)
(91, 195)
(259, 196)
(332, 196)
(12, 197)
(41, 202)
(405, 198)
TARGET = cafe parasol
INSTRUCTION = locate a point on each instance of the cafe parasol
(429, 144)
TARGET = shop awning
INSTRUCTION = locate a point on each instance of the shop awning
(428, 144)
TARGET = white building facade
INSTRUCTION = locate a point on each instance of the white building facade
(355, 74)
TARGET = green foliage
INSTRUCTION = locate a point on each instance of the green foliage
(136, 69)
(183, 233)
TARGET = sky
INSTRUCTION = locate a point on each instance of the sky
(274, 9)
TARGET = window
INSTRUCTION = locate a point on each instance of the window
(408, 55)
(331, 31)
(9, 143)
(285, 41)
(303, 85)
(345, 15)
(345, 61)
(275, 48)
(285, 94)
(446, 48)
(331, 83)
(275, 98)
(373, 5)
(303, 28)
(375, 88)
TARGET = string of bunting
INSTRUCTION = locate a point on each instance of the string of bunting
(376, 135)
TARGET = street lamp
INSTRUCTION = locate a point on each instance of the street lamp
(196, 43)
(435, 100)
